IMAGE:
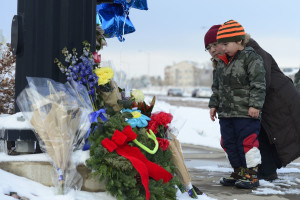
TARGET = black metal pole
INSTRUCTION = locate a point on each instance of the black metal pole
(42, 28)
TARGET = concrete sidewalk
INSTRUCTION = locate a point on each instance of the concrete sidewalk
(208, 180)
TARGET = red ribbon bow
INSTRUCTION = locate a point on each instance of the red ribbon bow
(144, 167)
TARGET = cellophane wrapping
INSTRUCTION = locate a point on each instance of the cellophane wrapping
(58, 114)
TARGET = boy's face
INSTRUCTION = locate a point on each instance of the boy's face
(215, 50)
(230, 48)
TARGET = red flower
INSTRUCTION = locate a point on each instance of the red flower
(163, 143)
(160, 118)
(97, 57)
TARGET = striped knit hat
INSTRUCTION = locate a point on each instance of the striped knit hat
(230, 31)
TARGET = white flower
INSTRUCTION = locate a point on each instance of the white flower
(138, 95)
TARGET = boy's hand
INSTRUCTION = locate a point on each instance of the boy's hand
(213, 114)
(253, 112)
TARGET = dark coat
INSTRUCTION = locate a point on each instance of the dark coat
(281, 110)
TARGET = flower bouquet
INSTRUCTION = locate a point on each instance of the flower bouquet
(138, 101)
(57, 113)
(129, 149)
(86, 71)
(108, 89)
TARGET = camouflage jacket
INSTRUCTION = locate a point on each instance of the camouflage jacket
(297, 80)
(239, 84)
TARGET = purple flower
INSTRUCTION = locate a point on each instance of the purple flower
(82, 73)
(75, 68)
(73, 75)
(92, 92)
(95, 79)
(80, 66)
(88, 71)
(90, 77)
(91, 84)
(87, 63)
(84, 81)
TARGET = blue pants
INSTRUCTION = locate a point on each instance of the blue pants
(239, 140)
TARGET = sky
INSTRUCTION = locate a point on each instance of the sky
(172, 31)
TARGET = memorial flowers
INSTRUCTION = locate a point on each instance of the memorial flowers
(104, 74)
(138, 119)
(137, 95)
(119, 137)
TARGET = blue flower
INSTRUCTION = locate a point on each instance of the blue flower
(73, 75)
(82, 67)
(82, 73)
(92, 92)
(138, 120)
(88, 71)
(86, 62)
(75, 69)
(91, 77)
(84, 81)
(91, 84)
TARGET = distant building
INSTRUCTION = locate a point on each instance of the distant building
(187, 74)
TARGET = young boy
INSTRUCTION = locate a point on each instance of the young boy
(238, 96)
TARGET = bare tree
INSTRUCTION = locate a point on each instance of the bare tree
(7, 79)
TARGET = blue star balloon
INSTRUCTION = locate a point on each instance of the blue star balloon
(138, 4)
(98, 22)
(113, 20)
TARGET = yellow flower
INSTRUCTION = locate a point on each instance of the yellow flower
(136, 114)
(138, 95)
(104, 75)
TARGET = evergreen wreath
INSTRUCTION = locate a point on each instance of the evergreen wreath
(120, 177)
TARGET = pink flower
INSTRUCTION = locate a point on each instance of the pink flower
(97, 57)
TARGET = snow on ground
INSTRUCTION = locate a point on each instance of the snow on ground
(15, 121)
(195, 127)
(36, 191)
(287, 182)
(193, 124)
